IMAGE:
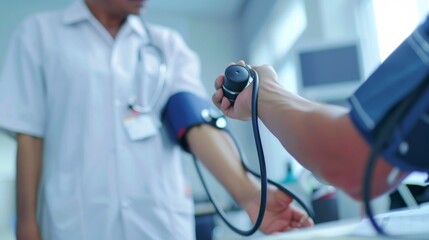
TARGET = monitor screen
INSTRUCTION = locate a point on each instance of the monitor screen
(329, 66)
(329, 72)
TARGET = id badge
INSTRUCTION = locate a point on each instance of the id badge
(141, 126)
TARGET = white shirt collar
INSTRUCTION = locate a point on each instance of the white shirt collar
(79, 11)
(76, 12)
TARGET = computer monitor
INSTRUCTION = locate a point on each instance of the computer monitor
(329, 72)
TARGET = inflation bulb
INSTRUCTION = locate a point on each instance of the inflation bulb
(237, 78)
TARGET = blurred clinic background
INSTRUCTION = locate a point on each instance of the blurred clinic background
(322, 49)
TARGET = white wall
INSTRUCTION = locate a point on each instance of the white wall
(7, 185)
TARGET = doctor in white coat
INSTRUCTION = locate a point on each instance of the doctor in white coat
(64, 93)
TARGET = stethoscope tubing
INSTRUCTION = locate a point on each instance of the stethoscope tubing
(263, 175)
(161, 81)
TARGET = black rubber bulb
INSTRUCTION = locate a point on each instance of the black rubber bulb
(236, 79)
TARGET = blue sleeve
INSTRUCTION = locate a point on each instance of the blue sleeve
(405, 72)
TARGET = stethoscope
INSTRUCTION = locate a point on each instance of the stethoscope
(161, 75)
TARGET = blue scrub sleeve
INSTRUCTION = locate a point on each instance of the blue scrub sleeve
(404, 73)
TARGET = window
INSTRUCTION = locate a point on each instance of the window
(395, 20)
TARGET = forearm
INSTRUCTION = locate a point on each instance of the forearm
(322, 138)
(217, 152)
(29, 161)
(305, 130)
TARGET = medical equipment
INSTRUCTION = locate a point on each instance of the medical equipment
(385, 133)
(398, 122)
(391, 111)
(236, 79)
(149, 49)
(185, 110)
(194, 111)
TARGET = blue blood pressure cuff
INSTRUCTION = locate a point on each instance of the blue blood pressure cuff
(185, 110)
(404, 73)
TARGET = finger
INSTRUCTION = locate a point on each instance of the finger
(307, 222)
(242, 63)
(282, 198)
(219, 81)
(217, 98)
(278, 226)
(300, 219)
(295, 225)
(225, 105)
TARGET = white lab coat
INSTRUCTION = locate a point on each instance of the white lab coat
(66, 80)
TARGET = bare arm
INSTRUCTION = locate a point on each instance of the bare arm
(29, 162)
(215, 149)
(218, 153)
(321, 137)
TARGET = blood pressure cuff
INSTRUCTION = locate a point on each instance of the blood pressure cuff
(404, 73)
(185, 110)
